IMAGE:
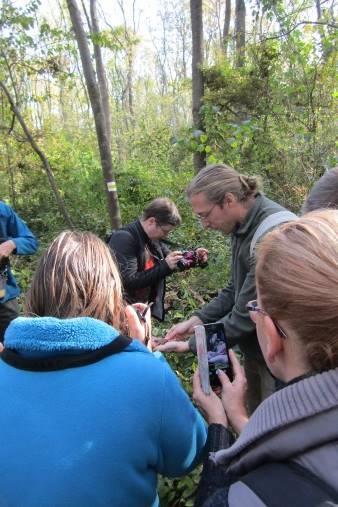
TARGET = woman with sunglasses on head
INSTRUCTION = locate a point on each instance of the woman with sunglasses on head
(88, 416)
(286, 453)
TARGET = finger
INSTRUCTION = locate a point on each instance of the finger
(196, 385)
(223, 378)
(170, 334)
(139, 306)
(136, 329)
(236, 365)
(167, 347)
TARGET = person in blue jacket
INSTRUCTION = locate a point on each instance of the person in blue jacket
(88, 416)
(15, 238)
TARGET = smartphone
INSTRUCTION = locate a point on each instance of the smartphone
(212, 353)
(217, 352)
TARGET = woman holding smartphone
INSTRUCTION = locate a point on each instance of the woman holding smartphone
(288, 447)
(88, 416)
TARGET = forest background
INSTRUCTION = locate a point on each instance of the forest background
(119, 95)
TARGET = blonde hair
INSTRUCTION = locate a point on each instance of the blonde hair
(297, 279)
(215, 181)
(77, 277)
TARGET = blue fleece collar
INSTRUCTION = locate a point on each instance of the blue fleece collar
(49, 334)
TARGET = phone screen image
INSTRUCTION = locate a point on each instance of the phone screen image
(217, 352)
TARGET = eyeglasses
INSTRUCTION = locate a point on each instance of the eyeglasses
(252, 306)
(204, 216)
(165, 231)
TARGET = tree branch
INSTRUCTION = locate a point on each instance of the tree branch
(41, 155)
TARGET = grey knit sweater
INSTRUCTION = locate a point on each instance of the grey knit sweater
(297, 424)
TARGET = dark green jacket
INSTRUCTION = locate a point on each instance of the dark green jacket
(229, 307)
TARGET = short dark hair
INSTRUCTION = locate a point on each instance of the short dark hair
(163, 210)
(324, 193)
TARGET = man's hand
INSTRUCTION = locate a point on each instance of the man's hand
(173, 258)
(172, 346)
(234, 394)
(209, 404)
(183, 329)
(6, 248)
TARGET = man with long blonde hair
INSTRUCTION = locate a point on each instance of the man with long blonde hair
(224, 200)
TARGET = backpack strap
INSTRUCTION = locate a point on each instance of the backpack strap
(268, 223)
(64, 361)
(288, 484)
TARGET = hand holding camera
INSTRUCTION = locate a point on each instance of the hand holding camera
(197, 257)
(6, 248)
(173, 258)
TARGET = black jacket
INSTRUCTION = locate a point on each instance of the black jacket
(129, 245)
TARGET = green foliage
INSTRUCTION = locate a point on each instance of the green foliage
(272, 117)
(115, 39)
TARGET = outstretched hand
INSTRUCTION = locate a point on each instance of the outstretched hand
(172, 346)
(182, 330)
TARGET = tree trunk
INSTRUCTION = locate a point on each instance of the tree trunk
(41, 155)
(99, 115)
(240, 32)
(101, 75)
(226, 27)
(197, 76)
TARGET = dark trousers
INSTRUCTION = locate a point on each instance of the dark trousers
(8, 312)
(260, 381)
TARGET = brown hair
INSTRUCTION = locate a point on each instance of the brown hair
(324, 193)
(164, 211)
(219, 179)
(297, 279)
(77, 277)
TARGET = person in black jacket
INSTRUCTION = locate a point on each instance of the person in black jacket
(144, 261)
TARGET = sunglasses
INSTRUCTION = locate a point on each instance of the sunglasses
(252, 306)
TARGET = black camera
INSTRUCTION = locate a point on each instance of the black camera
(4, 266)
(4, 261)
(190, 260)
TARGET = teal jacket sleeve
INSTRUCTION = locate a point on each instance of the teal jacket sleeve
(182, 432)
(17, 230)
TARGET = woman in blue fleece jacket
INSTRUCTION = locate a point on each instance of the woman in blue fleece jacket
(84, 423)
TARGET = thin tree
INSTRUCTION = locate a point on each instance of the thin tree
(103, 136)
(101, 75)
(41, 155)
(196, 14)
(240, 13)
(226, 26)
